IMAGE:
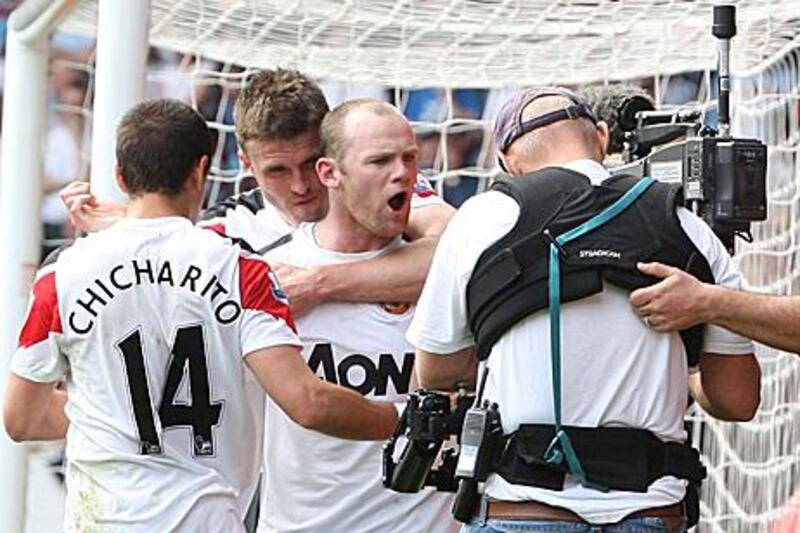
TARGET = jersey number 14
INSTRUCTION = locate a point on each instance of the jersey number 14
(201, 415)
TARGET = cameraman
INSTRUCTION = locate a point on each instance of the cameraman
(615, 372)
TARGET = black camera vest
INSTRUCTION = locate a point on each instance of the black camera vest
(510, 279)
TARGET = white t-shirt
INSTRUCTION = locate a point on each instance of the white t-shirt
(314, 482)
(149, 321)
(616, 372)
(250, 217)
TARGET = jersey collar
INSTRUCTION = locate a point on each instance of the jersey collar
(593, 170)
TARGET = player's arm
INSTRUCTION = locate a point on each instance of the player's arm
(271, 349)
(395, 277)
(86, 212)
(34, 411)
(445, 345)
(446, 372)
(680, 301)
(316, 404)
(727, 387)
(429, 222)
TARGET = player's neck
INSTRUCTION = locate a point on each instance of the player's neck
(340, 232)
(154, 205)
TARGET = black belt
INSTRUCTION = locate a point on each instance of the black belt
(618, 458)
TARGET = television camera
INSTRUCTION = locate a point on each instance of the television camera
(723, 178)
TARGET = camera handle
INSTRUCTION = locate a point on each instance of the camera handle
(724, 28)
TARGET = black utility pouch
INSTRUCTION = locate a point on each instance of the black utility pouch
(619, 458)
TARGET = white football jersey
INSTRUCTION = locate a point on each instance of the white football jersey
(250, 217)
(313, 482)
(149, 321)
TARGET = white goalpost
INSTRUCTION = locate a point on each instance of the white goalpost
(124, 34)
(448, 64)
(23, 124)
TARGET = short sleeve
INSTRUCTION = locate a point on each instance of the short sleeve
(716, 339)
(266, 319)
(37, 356)
(440, 322)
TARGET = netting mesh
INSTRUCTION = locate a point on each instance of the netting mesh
(448, 66)
(466, 43)
(754, 468)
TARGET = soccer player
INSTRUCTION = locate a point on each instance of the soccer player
(163, 332)
(278, 115)
(315, 482)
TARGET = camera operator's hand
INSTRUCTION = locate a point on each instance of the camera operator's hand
(677, 302)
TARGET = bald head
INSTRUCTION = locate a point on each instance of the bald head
(556, 143)
(337, 126)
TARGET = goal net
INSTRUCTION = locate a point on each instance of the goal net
(450, 64)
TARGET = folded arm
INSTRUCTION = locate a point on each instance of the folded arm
(316, 404)
(727, 387)
(394, 277)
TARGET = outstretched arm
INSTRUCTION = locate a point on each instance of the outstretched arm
(316, 404)
(34, 411)
(395, 277)
(680, 301)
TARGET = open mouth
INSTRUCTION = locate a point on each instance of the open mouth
(397, 201)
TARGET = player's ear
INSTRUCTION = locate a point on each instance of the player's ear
(243, 159)
(120, 179)
(603, 137)
(200, 171)
(326, 170)
(205, 165)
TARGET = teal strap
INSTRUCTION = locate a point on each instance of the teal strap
(609, 213)
(561, 448)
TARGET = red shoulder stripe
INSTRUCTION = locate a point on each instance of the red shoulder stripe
(43, 317)
(218, 227)
(260, 291)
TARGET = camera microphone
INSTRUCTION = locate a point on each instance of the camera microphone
(617, 105)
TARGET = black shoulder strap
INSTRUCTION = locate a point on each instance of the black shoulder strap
(509, 280)
(504, 267)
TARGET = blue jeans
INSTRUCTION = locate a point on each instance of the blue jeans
(629, 525)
